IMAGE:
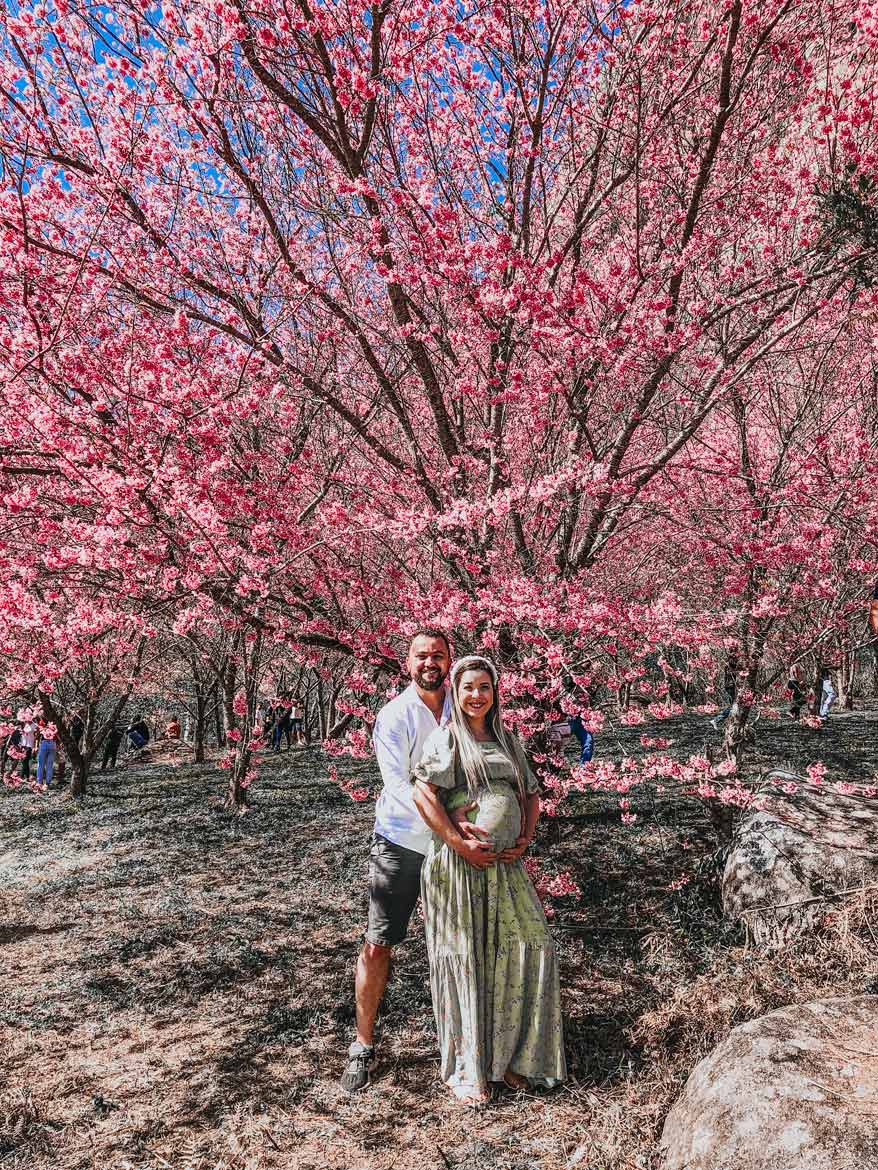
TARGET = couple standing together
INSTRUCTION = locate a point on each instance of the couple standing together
(457, 812)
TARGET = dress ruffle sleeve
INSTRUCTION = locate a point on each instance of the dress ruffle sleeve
(436, 765)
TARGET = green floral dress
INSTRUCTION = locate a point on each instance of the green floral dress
(493, 970)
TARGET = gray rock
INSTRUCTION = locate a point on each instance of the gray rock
(802, 844)
(794, 1090)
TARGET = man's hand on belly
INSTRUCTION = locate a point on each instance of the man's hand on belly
(475, 852)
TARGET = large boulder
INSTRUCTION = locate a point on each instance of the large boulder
(806, 841)
(794, 1090)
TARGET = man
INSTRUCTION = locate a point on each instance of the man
(111, 745)
(281, 719)
(401, 837)
(14, 742)
(797, 692)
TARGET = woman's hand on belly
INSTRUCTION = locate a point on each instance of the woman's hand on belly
(514, 851)
(464, 825)
(500, 815)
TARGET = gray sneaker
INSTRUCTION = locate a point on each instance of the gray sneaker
(356, 1075)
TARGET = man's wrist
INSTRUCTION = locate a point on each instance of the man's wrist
(453, 838)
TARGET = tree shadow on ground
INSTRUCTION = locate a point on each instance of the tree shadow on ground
(11, 933)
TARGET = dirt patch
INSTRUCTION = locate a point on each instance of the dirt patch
(178, 981)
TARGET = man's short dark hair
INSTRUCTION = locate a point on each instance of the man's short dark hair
(431, 632)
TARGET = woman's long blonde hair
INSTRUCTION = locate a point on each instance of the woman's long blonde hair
(469, 753)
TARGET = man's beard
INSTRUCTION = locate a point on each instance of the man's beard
(431, 682)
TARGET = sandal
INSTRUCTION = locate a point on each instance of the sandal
(513, 1081)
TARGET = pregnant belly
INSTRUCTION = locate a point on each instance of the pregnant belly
(499, 814)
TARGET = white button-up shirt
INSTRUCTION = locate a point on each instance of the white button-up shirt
(402, 728)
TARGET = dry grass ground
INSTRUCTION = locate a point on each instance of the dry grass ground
(176, 982)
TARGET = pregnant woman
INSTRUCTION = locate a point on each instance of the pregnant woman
(493, 971)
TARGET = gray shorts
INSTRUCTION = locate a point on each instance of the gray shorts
(394, 888)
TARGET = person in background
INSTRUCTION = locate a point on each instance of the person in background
(264, 718)
(873, 612)
(27, 744)
(297, 719)
(577, 726)
(274, 718)
(7, 729)
(46, 756)
(730, 685)
(77, 728)
(111, 746)
(827, 693)
(585, 737)
(12, 748)
(138, 733)
(172, 730)
(281, 718)
(797, 692)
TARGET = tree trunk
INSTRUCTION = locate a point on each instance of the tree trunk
(338, 728)
(92, 737)
(237, 799)
(321, 714)
(816, 688)
(200, 725)
(846, 669)
(230, 678)
(237, 795)
(79, 778)
(331, 715)
(738, 732)
(306, 720)
(218, 717)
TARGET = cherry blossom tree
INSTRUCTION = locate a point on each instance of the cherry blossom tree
(342, 318)
(766, 516)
